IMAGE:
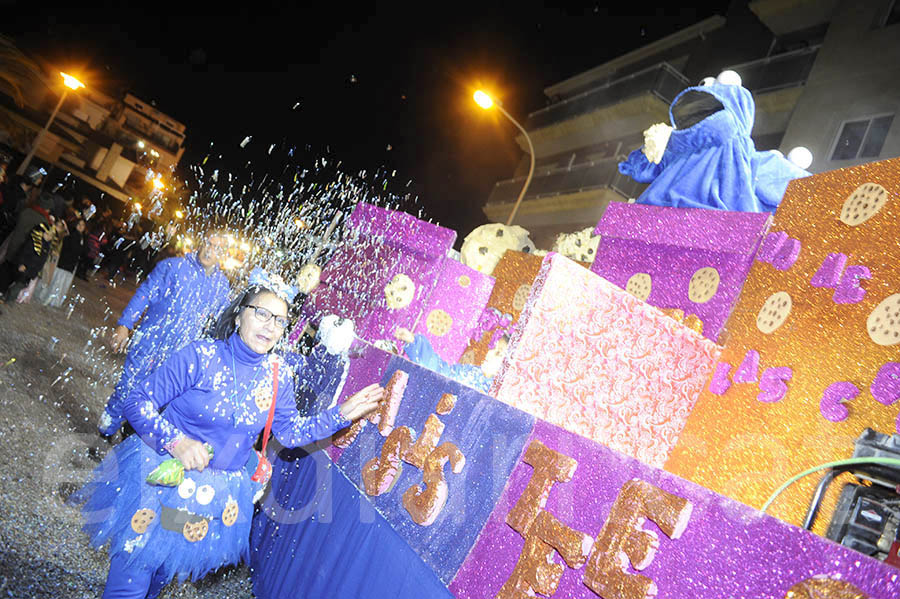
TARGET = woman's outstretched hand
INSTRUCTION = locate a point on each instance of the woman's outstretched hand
(119, 339)
(362, 403)
(191, 453)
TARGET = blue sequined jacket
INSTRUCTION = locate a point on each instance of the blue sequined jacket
(219, 392)
(179, 298)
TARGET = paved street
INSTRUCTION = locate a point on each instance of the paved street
(55, 376)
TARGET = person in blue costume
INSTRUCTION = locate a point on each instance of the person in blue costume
(180, 297)
(323, 372)
(215, 392)
(710, 160)
(418, 349)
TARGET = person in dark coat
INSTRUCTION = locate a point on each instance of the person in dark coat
(15, 197)
(27, 263)
(39, 213)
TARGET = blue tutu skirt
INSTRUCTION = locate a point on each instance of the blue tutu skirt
(185, 531)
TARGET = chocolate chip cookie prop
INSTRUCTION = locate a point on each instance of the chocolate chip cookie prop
(639, 285)
(483, 248)
(690, 259)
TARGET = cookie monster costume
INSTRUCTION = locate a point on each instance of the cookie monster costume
(710, 160)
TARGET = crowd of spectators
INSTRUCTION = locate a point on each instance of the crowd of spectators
(51, 233)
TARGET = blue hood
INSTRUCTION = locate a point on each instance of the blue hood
(704, 100)
(710, 160)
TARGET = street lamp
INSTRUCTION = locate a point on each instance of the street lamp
(70, 83)
(486, 102)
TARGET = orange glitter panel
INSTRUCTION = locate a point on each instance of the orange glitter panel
(814, 317)
(514, 274)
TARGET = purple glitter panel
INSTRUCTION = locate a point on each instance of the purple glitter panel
(380, 244)
(367, 364)
(458, 299)
(719, 230)
(726, 550)
(395, 227)
(671, 245)
(488, 433)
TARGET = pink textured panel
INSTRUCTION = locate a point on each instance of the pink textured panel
(452, 312)
(593, 359)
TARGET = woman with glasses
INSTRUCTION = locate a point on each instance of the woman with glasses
(205, 406)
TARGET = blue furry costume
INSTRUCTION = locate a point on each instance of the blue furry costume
(180, 298)
(710, 160)
(218, 392)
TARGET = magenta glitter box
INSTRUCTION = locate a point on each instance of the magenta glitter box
(691, 259)
(456, 304)
(383, 273)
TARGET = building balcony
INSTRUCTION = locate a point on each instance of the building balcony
(786, 16)
(773, 73)
(661, 80)
(602, 174)
(148, 135)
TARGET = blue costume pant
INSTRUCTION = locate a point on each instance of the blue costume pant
(131, 583)
(142, 359)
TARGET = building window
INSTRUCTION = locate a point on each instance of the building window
(863, 138)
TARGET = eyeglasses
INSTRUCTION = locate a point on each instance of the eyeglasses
(264, 315)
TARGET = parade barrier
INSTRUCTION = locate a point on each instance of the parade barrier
(688, 259)
(812, 352)
(453, 493)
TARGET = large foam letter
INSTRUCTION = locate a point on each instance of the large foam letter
(623, 539)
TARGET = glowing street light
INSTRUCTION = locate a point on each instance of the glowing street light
(70, 82)
(485, 101)
(158, 183)
(179, 214)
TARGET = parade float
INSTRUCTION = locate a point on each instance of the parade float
(645, 411)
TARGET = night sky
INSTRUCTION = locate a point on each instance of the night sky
(367, 78)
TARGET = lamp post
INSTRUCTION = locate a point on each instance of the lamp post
(486, 102)
(70, 83)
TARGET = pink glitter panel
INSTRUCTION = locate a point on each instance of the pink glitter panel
(595, 360)
(452, 313)
(670, 245)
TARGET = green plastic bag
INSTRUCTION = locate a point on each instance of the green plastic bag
(171, 472)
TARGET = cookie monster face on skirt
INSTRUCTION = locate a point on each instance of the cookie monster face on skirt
(188, 530)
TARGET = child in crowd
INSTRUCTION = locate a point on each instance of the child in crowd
(74, 247)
